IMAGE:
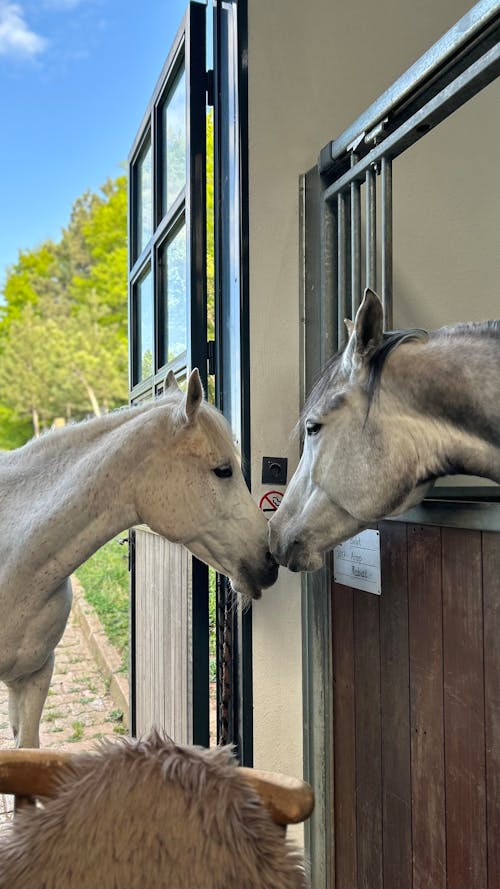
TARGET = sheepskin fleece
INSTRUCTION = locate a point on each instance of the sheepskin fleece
(149, 814)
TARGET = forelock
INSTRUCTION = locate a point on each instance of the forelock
(332, 373)
(216, 427)
(320, 393)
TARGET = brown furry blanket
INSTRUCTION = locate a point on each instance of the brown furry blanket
(148, 814)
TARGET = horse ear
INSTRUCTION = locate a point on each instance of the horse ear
(194, 394)
(349, 325)
(368, 327)
(170, 381)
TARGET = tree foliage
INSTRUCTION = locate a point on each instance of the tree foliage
(63, 313)
(63, 322)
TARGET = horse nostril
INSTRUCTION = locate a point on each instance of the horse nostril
(270, 558)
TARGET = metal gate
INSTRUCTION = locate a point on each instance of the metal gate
(168, 323)
(403, 762)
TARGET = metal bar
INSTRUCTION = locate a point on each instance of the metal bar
(328, 305)
(355, 247)
(318, 721)
(386, 189)
(371, 229)
(342, 225)
(470, 27)
(438, 109)
(310, 280)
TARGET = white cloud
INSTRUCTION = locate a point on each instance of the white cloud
(15, 36)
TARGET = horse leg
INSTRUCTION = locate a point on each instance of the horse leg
(27, 697)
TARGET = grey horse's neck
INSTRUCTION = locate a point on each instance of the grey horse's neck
(452, 379)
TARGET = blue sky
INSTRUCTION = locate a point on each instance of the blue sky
(75, 79)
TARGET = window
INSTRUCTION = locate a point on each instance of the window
(167, 275)
(173, 140)
(173, 297)
(144, 334)
(144, 218)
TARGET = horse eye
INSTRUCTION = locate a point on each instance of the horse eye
(223, 471)
(313, 428)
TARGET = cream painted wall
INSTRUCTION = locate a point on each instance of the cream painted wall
(313, 67)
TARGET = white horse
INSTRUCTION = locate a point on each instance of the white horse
(170, 464)
(389, 415)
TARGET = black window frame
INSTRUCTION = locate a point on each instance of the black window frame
(189, 204)
(188, 49)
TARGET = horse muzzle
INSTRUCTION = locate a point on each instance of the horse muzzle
(293, 553)
(252, 580)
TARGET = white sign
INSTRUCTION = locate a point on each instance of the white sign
(356, 563)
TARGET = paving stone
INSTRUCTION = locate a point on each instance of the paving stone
(79, 709)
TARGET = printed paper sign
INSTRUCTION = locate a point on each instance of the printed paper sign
(356, 563)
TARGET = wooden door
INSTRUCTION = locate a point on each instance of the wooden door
(417, 715)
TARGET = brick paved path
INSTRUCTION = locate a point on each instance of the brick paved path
(79, 709)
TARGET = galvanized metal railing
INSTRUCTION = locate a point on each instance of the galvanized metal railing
(457, 67)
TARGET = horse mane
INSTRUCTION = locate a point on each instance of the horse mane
(471, 328)
(391, 339)
(214, 426)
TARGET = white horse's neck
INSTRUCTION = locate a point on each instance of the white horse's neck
(80, 483)
(450, 385)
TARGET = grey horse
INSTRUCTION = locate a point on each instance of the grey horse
(390, 414)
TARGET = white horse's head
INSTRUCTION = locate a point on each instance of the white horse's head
(193, 492)
(357, 465)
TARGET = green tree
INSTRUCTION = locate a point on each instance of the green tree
(13, 430)
(34, 278)
(63, 325)
(29, 380)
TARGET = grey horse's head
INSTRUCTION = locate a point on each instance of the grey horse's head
(357, 464)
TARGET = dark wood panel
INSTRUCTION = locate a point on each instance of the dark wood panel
(427, 720)
(368, 740)
(344, 738)
(491, 599)
(464, 709)
(395, 707)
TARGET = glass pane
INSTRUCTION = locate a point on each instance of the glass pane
(144, 328)
(174, 296)
(144, 219)
(174, 142)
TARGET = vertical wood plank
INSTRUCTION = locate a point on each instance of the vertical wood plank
(427, 717)
(163, 664)
(395, 707)
(368, 740)
(464, 709)
(491, 599)
(344, 734)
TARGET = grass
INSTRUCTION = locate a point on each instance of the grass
(78, 728)
(105, 581)
(52, 715)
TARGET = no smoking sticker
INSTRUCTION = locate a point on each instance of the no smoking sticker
(270, 501)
